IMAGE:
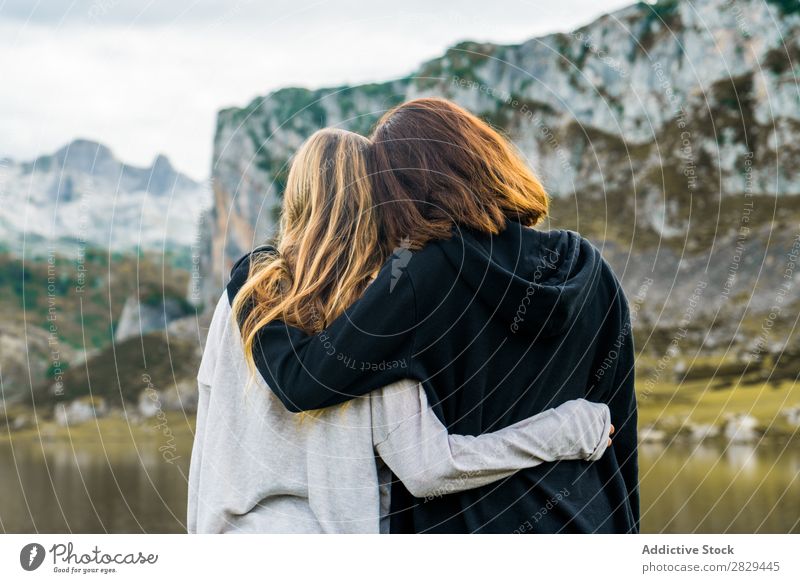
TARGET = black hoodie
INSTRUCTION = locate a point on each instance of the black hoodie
(498, 328)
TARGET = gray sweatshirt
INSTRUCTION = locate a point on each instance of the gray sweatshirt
(256, 467)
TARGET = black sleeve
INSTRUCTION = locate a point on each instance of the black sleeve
(366, 348)
(622, 404)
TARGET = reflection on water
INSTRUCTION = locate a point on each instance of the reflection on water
(712, 489)
(52, 488)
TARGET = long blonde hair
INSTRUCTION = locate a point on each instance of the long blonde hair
(328, 248)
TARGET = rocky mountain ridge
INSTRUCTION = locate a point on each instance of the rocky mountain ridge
(667, 133)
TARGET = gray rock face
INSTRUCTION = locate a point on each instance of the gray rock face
(30, 355)
(139, 318)
(656, 128)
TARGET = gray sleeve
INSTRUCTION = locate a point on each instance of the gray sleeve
(205, 377)
(417, 448)
(193, 498)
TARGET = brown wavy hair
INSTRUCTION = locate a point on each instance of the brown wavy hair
(438, 165)
(328, 248)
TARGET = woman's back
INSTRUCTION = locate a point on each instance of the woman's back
(511, 325)
(258, 468)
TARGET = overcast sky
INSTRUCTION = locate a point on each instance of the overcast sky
(148, 76)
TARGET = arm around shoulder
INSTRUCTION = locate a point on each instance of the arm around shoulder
(416, 446)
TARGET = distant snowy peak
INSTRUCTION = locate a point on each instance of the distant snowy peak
(84, 194)
(88, 158)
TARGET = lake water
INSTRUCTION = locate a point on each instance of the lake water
(52, 487)
(716, 489)
(94, 488)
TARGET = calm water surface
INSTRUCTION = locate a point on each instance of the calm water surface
(51, 487)
(717, 489)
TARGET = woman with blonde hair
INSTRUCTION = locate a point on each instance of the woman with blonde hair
(255, 466)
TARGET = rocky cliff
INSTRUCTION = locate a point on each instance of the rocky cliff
(667, 133)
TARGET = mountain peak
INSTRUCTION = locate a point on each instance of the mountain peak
(82, 146)
(80, 155)
(161, 176)
(162, 164)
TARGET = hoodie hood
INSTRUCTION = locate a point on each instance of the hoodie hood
(538, 281)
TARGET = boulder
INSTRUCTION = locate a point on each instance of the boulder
(701, 431)
(149, 404)
(792, 415)
(139, 318)
(178, 397)
(651, 434)
(741, 428)
(79, 411)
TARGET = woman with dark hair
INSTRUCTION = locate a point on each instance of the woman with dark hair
(497, 320)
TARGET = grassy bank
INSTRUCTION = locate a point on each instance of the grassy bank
(113, 430)
(669, 405)
(664, 405)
